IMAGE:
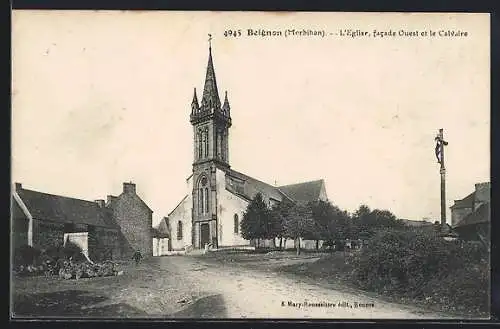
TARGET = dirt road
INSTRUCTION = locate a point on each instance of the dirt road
(197, 287)
(238, 292)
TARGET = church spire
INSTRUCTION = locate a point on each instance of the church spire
(210, 99)
(194, 104)
(226, 108)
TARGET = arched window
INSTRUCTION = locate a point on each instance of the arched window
(236, 224)
(206, 142)
(200, 145)
(203, 199)
(206, 200)
(200, 200)
(179, 230)
(222, 153)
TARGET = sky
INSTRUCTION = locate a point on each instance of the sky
(100, 98)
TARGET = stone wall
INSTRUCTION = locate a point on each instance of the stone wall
(228, 205)
(104, 244)
(183, 214)
(47, 234)
(135, 220)
(458, 214)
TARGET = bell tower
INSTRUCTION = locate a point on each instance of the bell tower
(211, 121)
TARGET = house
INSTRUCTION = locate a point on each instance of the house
(104, 230)
(461, 208)
(216, 195)
(473, 215)
(161, 238)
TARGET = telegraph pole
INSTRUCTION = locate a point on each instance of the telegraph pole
(440, 144)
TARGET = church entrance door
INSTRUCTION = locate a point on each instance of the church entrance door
(205, 234)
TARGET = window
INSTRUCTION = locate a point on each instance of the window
(200, 200)
(203, 198)
(200, 145)
(179, 230)
(206, 200)
(223, 154)
(206, 142)
(236, 224)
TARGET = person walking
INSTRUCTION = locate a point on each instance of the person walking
(137, 257)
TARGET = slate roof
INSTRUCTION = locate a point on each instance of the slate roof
(467, 202)
(253, 186)
(301, 192)
(56, 208)
(480, 215)
(162, 230)
(305, 192)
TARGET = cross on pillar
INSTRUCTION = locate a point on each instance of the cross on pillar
(440, 144)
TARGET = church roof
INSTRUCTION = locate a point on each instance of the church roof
(300, 192)
(56, 208)
(305, 192)
(254, 186)
(210, 97)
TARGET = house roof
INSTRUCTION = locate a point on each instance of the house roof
(56, 208)
(467, 202)
(480, 215)
(162, 230)
(415, 223)
(305, 192)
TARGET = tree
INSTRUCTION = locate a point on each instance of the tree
(366, 223)
(279, 213)
(331, 223)
(256, 222)
(298, 223)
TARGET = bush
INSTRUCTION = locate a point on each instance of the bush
(423, 266)
(26, 255)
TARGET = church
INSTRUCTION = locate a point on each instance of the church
(217, 195)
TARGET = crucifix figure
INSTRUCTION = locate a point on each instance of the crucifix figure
(439, 150)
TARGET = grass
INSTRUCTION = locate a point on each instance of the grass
(450, 295)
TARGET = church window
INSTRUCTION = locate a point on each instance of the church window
(200, 200)
(206, 142)
(222, 146)
(200, 145)
(203, 200)
(179, 230)
(206, 200)
(236, 224)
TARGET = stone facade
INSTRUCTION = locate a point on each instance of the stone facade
(47, 234)
(113, 230)
(135, 219)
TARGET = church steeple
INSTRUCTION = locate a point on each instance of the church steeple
(211, 122)
(195, 107)
(210, 100)
(225, 107)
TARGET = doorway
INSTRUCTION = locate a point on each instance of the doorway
(204, 235)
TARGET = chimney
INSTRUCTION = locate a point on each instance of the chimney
(100, 203)
(129, 187)
(110, 198)
(18, 186)
(482, 194)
